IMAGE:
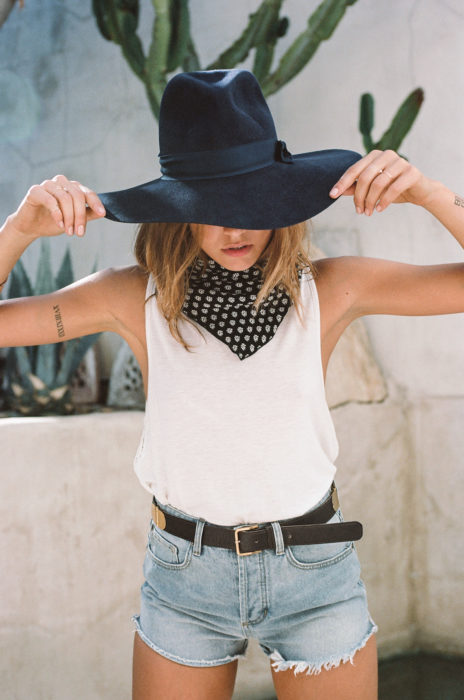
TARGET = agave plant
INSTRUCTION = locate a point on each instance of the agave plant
(37, 379)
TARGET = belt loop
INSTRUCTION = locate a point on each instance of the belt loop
(279, 540)
(198, 537)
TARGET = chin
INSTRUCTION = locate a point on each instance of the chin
(236, 265)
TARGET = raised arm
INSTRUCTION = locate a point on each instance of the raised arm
(376, 286)
(87, 306)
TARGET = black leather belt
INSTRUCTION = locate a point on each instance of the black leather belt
(311, 528)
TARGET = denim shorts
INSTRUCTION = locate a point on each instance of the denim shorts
(306, 604)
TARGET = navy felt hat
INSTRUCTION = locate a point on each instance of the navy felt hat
(222, 163)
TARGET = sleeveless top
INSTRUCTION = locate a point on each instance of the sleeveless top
(234, 441)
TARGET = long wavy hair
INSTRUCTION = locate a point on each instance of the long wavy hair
(167, 250)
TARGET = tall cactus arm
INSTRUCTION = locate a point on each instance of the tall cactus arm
(191, 61)
(263, 61)
(156, 66)
(269, 23)
(100, 11)
(266, 40)
(321, 26)
(117, 21)
(240, 49)
(402, 121)
(180, 33)
(366, 120)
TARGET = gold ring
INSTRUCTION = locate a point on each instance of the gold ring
(380, 171)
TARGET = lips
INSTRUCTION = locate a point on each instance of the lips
(234, 247)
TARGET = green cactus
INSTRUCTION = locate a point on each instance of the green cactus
(399, 127)
(37, 380)
(172, 47)
(320, 27)
(180, 34)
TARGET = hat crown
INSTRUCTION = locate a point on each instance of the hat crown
(212, 110)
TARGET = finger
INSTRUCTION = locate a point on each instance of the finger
(93, 202)
(350, 176)
(368, 179)
(407, 178)
(37, 196)
(381, 182)
(65, 201)
(349, 191)
(79, 206)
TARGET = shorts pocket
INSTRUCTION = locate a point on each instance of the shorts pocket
(316, 556)
(168, 550)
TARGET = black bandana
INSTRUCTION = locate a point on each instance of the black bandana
(221, 301)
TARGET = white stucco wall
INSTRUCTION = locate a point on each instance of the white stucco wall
(400, 464)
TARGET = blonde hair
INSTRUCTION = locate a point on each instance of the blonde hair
(167, 250)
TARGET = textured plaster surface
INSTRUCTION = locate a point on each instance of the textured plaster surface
(70, 104)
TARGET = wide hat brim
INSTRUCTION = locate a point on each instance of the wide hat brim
(278, 195)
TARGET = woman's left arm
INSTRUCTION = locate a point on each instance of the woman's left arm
(377, 286)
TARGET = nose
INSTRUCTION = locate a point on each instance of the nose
(233, 231)
(234, 235)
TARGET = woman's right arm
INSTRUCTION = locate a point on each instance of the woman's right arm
(50, 209)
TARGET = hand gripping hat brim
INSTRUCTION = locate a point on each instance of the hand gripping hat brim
(222, 163)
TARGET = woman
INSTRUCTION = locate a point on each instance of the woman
(246, 537)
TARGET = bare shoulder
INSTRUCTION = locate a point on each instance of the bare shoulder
(119, 287)
(115, 293)
(336, 286)
(338, 270)
(124, 289)
(109, 300)
(128, 279)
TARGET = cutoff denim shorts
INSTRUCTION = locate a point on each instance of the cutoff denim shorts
(306, 604)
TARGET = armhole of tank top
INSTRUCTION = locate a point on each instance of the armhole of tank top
(149, 299)
(151, 287)
(316, 316)
(149, 291)
(313, 297)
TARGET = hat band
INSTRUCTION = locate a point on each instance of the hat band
(244, 158)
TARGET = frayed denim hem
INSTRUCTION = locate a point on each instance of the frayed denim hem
(179, 659)
(279, 663)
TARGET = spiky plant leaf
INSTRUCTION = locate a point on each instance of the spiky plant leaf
(20, 284)
(44, 283)
(65, 274)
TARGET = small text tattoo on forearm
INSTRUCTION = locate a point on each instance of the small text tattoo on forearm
(459, 201)
(59, 322)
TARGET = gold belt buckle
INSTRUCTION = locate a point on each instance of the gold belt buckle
(157, 516)
(237, 543)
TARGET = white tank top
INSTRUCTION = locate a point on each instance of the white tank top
(237, 441)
